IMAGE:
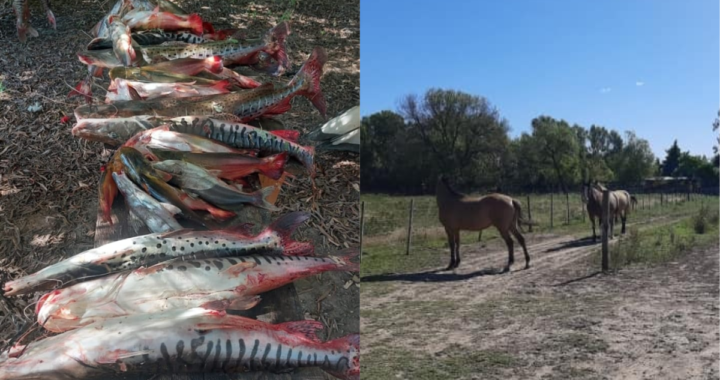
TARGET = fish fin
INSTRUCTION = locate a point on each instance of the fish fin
(135, 222)
(108, 192)
(170, 208)
(112, 357)
(175, 233)
(215, 64)
(196, 24)
(51, 19)
(208, 28)
(308, 329)
(240, 267)
(347, 343)
(32, 32)
(97, 43)
(83, 88)
(165, 176)
(273, 166)
(284, 226)
(287, 134)
(263, 202)
(151, 269)
(276, 46)
(223, 85)
(342, 259)
(284, 106)
(311, 72)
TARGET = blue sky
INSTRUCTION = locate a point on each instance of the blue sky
(642, 65)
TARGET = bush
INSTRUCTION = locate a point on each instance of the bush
(701, 220)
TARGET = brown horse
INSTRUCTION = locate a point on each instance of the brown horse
(461, 212)
(592, 195)
(624, 204)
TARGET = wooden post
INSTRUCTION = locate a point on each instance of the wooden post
(362, 225)
(480, 236)
(605, 229)
(661, 199)
(551, 210)
(409, 236)
(567, 206)
(642, 203)
(529, 213)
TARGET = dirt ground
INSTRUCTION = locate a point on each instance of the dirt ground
(560, 319)
(48, 178)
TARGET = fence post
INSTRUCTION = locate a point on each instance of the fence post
(409, 236)
(661, 199)
(529, 213)
(362, 225)
(551, 210)
(605, 228)
(480, 236)
(567, 206)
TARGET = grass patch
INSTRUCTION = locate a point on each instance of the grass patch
(660, 244)
(289, 11)
(455, 362)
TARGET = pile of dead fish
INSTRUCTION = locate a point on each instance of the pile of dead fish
(158, 302)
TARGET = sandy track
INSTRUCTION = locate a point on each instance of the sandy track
(560, 318)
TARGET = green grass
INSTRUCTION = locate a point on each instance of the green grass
(386, 223)
(287, 15)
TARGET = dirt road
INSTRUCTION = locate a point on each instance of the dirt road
(558, 320)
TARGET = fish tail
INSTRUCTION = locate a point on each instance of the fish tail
(285, 226)
(276, 45)
(343, 259)
(222, 86)
(208, 28)
(347, 343)
(311, 72)
(272, 166)
(51, 19)
(84, 88)
(196, 24)
(261, 199)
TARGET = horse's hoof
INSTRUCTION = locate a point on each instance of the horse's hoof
(527, 266)
(506, 270)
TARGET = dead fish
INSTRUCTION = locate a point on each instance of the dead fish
(228, 283)
(113, 131)
(246, 105)
(197, 180)
(132, 90)
(163, 138)
(149, 38)
(156, 216)
(229, 166)
(105, 59)
(22, 14)
(244, 136)
(191, 340)
(122, 44)
(49, 13)
(234, 52)
(139, 74)
(146, 250)
(155, 19)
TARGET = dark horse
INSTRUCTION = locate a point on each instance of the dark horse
(461, 212)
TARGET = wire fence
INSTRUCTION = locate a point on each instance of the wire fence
(412, 222)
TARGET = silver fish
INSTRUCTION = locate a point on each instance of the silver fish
(157, 216)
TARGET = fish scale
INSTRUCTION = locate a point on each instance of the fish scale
(132, 253)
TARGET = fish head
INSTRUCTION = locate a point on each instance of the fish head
(101, 130)
(175, 167)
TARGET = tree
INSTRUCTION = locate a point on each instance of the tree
(716, 126)
(464, 133)
(558, 150)
(635, 162)
(672, 160)
(381, 133)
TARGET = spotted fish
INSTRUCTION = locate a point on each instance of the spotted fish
(230, 166)
(192, 340)
(230, 283)
(246, 105)
(243, 136)
(132, 253)
(234, 52)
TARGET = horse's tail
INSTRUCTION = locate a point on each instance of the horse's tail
(519, 221)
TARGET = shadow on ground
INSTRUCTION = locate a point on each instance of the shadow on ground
(430, 276)
(584, 242)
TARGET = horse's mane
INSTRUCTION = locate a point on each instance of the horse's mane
(450, 188)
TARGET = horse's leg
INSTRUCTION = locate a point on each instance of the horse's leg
(511, 257)
(521, 240)
(624, 218)
(451, 242)
(592, 221)
(457, 248)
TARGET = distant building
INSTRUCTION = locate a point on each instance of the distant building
(671, 184)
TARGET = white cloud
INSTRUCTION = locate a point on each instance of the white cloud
(639, 83)
(605, 90)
